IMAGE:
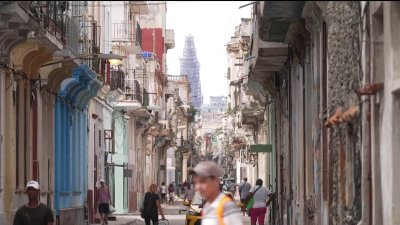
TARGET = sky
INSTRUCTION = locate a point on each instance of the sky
(211, 24)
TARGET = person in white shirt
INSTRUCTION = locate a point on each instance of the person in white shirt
(189, 194)
(244, 188)
(219, 209)
(262, 198)
(163, 193)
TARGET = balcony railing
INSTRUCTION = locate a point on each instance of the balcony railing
(117, 80)
(182, 78)
(123, 32)
(127, 32)
(169, 38)
(73, 35)
(50, 15)
(130, 87)
(133, 90)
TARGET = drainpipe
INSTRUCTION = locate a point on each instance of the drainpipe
(365, 106)
(256, 142)
(154, 41)
(289, 85)
(102, 70)
(108, 72)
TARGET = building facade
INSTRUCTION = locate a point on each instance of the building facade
(71, 115)
(45, 113)
(179, 124)
(321, 85)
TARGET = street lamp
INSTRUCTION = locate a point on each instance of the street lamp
(106, 60)
(113, 59)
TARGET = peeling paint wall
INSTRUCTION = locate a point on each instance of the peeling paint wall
(343, 79)
(343, 172)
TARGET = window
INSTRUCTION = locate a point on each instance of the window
(109, 140)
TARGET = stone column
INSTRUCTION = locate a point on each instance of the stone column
(184, 166)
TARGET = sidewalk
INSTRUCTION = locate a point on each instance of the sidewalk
(122, 220)
(170, 211)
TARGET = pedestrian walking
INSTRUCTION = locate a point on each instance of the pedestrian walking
(34, 212)
(103, 201)
(219, 208)
(171, 191)
(261, 198)
(244, 189)
(151, 206)
(163, 193)
(189, 194)
(184, 186)
(178, 189)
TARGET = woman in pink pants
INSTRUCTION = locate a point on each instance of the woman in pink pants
(261, 200)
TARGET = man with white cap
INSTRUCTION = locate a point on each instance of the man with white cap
(35, 212)
(219, 209)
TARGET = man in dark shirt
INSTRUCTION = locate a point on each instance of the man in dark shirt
(33, 213)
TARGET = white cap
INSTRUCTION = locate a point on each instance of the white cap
(33, 184)
(207, 169)
(102, 180)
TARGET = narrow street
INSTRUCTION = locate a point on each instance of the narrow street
(171, 214)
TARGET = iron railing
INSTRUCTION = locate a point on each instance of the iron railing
(127, 32)
(73, 35)
(130, 87)
(117, 80)
(182, 78)
(71, 215)
(170, 38)
(123, 32)
(50, 15)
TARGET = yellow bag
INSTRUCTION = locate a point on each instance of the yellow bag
(220, 209)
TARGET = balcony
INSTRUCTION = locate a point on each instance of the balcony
(73, 35)
(178, 78)
(169, 39)
(123, 32)
(117, 80)
(128, 35)
(50, 15)
(130, 87)
(139, 7)
(279, 19)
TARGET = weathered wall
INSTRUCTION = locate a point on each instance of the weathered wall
(389, 115)
(343, 79)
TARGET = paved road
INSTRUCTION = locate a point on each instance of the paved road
(171, 213)
(173, 220)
